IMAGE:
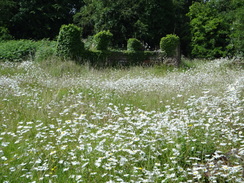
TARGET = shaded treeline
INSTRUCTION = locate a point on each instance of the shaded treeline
(206, 28)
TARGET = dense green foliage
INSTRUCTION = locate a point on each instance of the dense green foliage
(217, 28)
(69, 44)
(237, 28)
(134, 44)
(36, 19)
(207, 29)
(145, 19)
(7, 12)
(102, 40)
(169, 43)
(4, 34)
(17, 50)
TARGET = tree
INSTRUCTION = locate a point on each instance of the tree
(146, 20)
(210, 31)
(182, 23)
(6, 12)
(117, 16)
(217, 28)
(85, 17)
(237, 27)
(159, 16)
(37, 19)
(5, 6)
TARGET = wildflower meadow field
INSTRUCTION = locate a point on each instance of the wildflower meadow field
(64, 122)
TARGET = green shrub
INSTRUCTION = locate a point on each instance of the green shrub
(102, 40)
(4, 34)
(134, 44)
(69, 44)
(169, 44)
(17, 50)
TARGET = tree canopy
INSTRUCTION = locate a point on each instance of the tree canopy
(207, 28)
(147, 20)
(37, 19)
(216, 28)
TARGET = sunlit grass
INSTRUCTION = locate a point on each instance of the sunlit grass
(65, 122)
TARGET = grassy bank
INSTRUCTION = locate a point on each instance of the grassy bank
(63, 122)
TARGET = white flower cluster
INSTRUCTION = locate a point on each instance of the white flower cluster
(79, 129)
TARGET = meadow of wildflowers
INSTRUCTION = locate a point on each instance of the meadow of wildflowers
(61, 122)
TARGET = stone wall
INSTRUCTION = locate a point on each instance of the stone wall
(129, 58)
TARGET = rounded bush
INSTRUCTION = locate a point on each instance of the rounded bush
(69, 44)
(102, 40)
(169, 44)
(134, 44)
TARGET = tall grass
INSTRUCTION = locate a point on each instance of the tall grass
(63, 122)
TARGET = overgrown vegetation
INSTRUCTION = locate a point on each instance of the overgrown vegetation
(4, 34)
(207, 29)
(21, 50)
(75, 113)
(43, 50)
(169, 44)
(69, 44)
(210, 34)
(215, 29)
(134, 45)
(74, 123)
(17, 50)
(102, 40)
(46, 50)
